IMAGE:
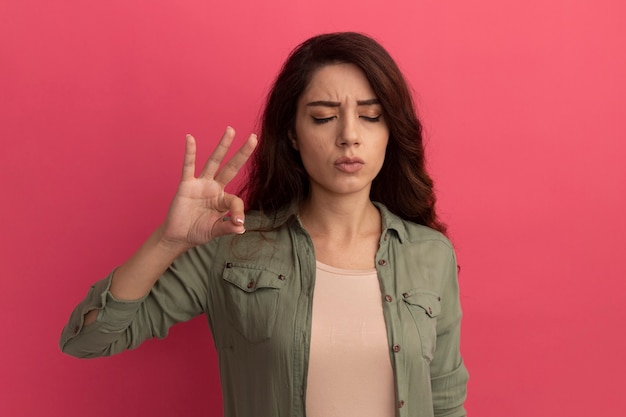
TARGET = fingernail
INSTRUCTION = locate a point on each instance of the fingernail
(242, 232)
(239, 220)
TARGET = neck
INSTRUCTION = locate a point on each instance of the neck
(345, 230)
(342, 218)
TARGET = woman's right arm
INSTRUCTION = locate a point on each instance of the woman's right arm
(197, 214)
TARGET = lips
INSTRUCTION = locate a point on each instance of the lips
(349, 165)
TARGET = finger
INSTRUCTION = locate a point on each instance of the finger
(234, 223)
(236, 208)
(189, 165)
(215, 160)
(234, 164)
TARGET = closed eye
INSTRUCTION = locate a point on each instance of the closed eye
(322, 120)
(371, 119)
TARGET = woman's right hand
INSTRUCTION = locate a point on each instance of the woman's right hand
(201, 209)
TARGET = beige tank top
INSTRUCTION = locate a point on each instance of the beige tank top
(350, 371)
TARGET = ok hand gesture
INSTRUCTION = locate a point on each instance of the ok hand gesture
(200, 207)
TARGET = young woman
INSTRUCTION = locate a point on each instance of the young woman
(333, 290)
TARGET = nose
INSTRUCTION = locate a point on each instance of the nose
(348, 132)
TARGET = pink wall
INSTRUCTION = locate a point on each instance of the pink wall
(524, 104)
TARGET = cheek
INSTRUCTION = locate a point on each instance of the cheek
(382, 141)
(311, 154)
(382, 152)
(314, 146)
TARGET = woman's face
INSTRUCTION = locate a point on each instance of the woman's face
(340, 131)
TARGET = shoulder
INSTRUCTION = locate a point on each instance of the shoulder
(420, 233)
(424, 258)
(412, 233)
(271, 220)
(265, 240)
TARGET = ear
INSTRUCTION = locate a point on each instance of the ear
(292, 139)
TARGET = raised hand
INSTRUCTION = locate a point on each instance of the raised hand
(201, 209)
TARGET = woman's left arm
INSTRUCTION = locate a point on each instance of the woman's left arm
(448, 373)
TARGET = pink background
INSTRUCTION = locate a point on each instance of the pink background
(524, 104)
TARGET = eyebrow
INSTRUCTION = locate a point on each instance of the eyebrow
(324, 103)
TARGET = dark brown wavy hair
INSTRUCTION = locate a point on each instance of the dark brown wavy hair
(276, 174)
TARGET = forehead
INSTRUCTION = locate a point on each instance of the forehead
(338, 82)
